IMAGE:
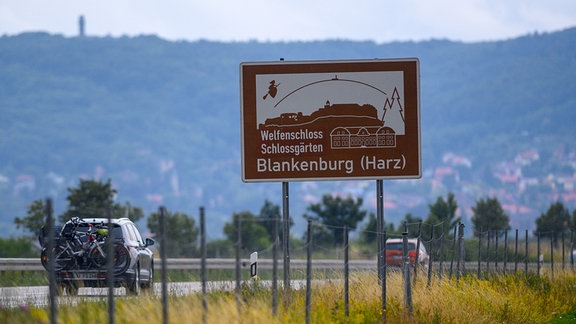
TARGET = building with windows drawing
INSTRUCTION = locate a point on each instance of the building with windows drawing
(362, 137)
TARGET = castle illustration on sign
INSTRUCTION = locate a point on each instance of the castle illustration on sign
(350, 125)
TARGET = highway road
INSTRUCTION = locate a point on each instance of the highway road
(39, 295)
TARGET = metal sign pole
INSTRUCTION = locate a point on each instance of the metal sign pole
(286, 239)
(379, 226)
(275, 268)
(381, 242)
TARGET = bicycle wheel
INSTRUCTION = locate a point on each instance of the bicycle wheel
(97, 257)
(63, 258)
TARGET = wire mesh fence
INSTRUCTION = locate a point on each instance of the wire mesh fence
(325, 252)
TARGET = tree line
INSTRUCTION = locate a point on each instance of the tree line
(94, 198)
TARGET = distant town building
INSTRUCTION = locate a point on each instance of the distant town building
(81, 26)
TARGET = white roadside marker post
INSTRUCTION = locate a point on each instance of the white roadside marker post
(253, 265)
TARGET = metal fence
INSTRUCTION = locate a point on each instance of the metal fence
(450, 256)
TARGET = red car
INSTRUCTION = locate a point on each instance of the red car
(394, 248)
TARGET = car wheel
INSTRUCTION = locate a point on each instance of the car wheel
(134, 287)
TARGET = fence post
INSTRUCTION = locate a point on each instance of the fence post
(346, 270)
(406, 271)
(203, 263)
(384, 274)
(552, 254)
(497, 237)
(526, 253)
(430, 259)
(540, 257)
(453, 250)
(488, 252)
(441, 252)
(238, 257)
(572, 249)
(505, 250)
(563, 251)
(479, 251)
(516, 253)
(110, 266)
(162, 228)
(51, 262)
(460, 251)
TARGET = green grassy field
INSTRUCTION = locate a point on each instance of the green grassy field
(499, 299)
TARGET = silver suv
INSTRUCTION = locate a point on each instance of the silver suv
(80, 255)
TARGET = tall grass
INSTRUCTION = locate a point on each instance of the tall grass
(499, 299)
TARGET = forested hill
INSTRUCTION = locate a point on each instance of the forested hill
(161, 119)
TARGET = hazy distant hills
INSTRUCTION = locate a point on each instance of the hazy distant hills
(161, 119)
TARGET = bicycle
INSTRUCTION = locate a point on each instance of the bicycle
(84, 248)
(67, 248)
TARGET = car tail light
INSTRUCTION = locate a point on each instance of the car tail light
(412, 255)
(44, 258)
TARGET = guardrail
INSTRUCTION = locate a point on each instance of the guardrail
(34, 264)
(20, 264)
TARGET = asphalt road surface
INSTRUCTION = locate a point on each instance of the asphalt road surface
(39, 295)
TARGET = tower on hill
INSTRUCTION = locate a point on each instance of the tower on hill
(81, 26)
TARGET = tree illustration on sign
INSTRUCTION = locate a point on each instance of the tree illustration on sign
(393, 113)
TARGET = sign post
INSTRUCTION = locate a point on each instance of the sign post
(330, 120)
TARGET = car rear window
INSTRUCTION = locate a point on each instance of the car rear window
(116, 232)
(398, 246)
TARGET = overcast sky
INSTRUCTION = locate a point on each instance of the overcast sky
(233, 20)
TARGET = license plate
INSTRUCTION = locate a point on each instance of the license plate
(85, 275)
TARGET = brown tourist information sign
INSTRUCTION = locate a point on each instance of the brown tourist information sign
(330, 120)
